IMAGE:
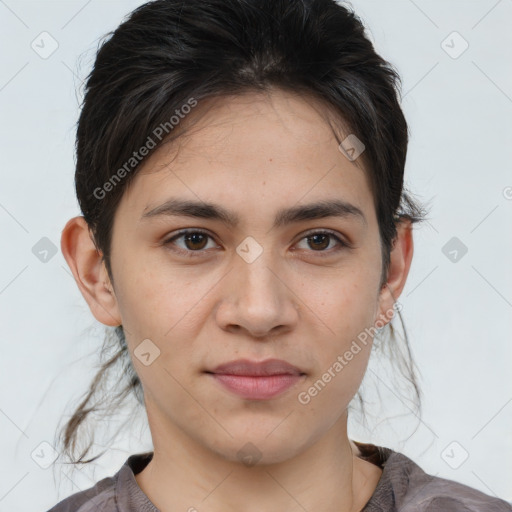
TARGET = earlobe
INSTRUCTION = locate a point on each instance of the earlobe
(399, 266)
(89, 271)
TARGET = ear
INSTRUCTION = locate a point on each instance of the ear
(399, 266)
(91, 276)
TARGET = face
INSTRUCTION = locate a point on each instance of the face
(270, 279)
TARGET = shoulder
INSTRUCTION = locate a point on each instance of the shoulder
(419, 491)
(116, 493)
(99, 498)
(406, 487)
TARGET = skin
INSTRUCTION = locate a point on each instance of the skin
(304, 302)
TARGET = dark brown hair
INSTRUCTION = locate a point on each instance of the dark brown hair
(169, 52)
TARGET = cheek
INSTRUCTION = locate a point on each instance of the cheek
(347, 309)
(342, 355)
(152, 301)
(169, 310)
(347, 306)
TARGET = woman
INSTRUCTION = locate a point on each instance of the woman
(246, 232)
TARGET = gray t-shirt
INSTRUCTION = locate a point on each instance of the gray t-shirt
(403, 487)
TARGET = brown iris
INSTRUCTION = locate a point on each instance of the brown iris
(319, 238)
(195, 241)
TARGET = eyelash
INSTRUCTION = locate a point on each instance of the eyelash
(192, 254)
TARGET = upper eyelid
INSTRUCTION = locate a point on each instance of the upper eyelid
(312, 231)
(187, 231)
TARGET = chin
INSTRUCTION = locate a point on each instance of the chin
(253, 450)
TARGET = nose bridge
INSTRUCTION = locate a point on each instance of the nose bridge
(258, 284)
(260, 300)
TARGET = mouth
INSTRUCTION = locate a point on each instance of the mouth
(248, 368)
(253, 380)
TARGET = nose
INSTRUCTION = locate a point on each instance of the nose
(257, 299)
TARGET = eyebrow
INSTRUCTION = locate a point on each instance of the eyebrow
(202, 210)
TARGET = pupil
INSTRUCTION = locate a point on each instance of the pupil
(195, 238)
(316, 238)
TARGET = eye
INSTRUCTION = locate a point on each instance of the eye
(196, 241)
(321, 241)
(192, 240)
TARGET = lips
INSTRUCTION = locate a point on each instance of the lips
(252, 380)
(245, 367)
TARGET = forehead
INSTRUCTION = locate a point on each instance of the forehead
(266, 147)
(282, 119)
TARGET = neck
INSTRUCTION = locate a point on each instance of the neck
(326, 476)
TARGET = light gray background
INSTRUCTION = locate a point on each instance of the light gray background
(458, 314)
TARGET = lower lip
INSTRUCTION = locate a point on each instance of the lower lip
(257, 388)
